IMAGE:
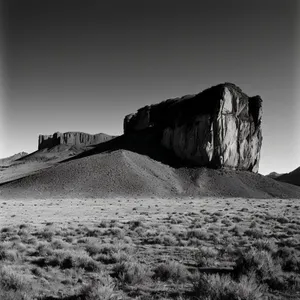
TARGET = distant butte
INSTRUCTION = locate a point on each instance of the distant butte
(71, 138)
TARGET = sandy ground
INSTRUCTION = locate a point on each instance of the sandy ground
(89, 211)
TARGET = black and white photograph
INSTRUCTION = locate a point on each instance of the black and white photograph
(149, 150)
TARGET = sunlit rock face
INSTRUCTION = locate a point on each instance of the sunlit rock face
(79, 139)
(218, 128)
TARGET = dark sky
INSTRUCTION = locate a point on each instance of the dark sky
(83, 65)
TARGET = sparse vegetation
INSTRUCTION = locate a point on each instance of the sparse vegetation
(203, 254)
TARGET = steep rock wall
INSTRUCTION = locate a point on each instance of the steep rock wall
(79, 139)
(219, 127)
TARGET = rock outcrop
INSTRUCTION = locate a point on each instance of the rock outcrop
(79, 139)
(217, 128)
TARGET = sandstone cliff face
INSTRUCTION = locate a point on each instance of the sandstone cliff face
(219, 127)
(79, 139)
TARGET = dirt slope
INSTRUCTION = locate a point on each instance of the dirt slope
(129, 174)
(8, 160)
(292, 177)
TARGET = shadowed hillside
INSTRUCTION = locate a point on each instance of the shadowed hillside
(125, 173)
(292, 177)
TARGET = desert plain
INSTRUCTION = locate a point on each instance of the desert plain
(150, 248)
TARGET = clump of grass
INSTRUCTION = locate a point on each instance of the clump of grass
(59, 244)
(264, 266)
(289, 259)
(166, 239)
(265, 244)
(237, 230)
(198, 233)
(282, 220)
(112, 258)
(226, 222)
(205, 256)
(100, 289)
(47, 234)
(117, 232)
(10, 280)
(9, 255)
(67, 259)
(131, 272)
(171, 270)
(43, 249)
(15, 295)
(216, 287)
(255, 233)
(7, 230)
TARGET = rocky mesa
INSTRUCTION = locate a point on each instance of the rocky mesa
(79, 139)
(217, 128)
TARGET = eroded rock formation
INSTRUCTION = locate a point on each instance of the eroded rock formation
(79, 139)
(219, 127)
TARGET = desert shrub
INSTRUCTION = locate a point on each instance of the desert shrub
(47, 234)
(37, 271)
(112, 257)
(118, 232)
(289, 259)
(7, 230)
(9, 251)
(255, 233)
(94, 249)
(9, 254)
(265, 244)
(121, 256)
(20, 247)
(216, 287)
(166, 239)
(237, 219)
(11, 280)
(127, 239)
(226, 222)
(100, 289)
(134, 224)
(23, 234)
(67, 259)
(263, 265)
(15, 295)
(208, 251)
(237, 230)
(94, 233)
(59, 244)
(205, 256)
(131, 272)
(32, 240)
(198, 233)
(282, 220)
(171, 270)
(14, 238)
(179, 232)
(43, 249)
(104, 224)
